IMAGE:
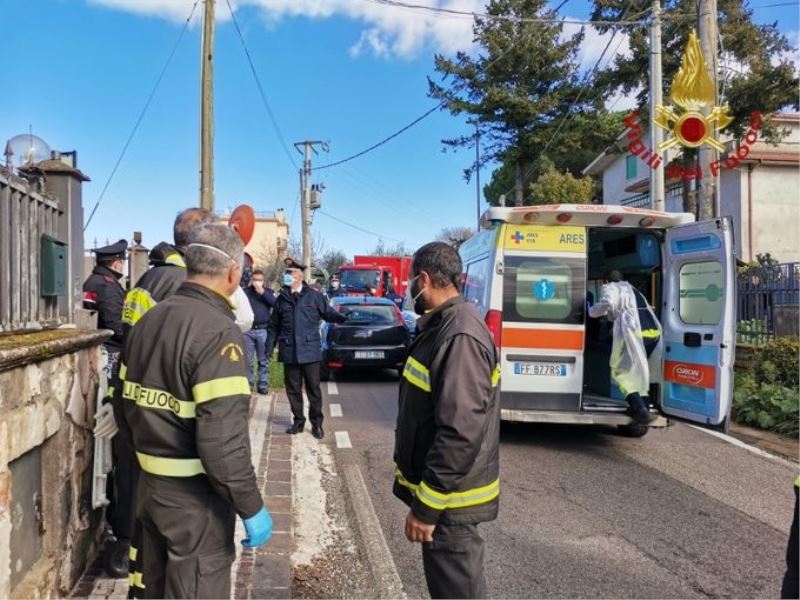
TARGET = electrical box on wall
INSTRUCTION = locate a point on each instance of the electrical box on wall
(53, 267)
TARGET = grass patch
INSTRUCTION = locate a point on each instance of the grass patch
(275, 374)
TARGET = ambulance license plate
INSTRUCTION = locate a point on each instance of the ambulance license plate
(369, 354)
(536, 368)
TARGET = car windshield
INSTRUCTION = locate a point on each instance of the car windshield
(359, 280)
(371, 314)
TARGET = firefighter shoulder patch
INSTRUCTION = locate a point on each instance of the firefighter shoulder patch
(233, 352)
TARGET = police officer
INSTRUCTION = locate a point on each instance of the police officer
(294, 326)
(103, 292)
(186, 402)
(335, 289)
(166, 274)
(448, 426)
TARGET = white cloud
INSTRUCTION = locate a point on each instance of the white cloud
(389, 31)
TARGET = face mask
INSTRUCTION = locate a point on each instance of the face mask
(418, 301)
(335, 285)
(288, 279)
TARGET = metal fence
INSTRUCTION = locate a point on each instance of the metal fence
(764, 291)
(642, 200)
(25, 216)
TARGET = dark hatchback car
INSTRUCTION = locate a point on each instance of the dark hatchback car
(374, 336)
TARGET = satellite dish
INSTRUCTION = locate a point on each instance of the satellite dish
(26, 149)
(243, 222)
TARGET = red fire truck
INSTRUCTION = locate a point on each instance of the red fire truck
(377, 271)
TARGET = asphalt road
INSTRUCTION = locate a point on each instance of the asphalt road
(585, 512)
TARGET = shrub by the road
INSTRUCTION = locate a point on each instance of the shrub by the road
(768, 395)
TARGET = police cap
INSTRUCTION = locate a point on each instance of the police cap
(293, 264)
(112, 251)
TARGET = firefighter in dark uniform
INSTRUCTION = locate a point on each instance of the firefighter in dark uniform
(186, 402)
(294, 326)
(102, 292)
(166, 274)
(448, 427)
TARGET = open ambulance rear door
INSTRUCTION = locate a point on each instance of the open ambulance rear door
(699, 322)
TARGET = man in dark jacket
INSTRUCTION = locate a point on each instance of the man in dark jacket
(186, 403)
(255, 341)
(448, 428)
(166, 274)
(102, 292)
(294, 326)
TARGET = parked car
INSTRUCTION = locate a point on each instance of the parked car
(374, 336)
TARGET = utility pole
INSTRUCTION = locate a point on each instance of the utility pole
(305, 198)
(207, 109)
(656, 99)
(478, 173)
(707, 32)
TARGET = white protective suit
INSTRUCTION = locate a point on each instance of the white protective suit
(629, 368)
(242, 310)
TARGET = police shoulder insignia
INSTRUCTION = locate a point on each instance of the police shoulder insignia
(232, 351)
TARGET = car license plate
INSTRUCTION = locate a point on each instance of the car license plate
(369, 354)
(536, 368)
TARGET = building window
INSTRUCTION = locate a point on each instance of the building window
(630, 167)
(701, 293)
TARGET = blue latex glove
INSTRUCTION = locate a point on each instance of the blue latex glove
(259, 529)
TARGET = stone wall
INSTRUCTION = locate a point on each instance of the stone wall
(48, 529)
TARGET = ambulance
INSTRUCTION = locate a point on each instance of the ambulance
(533, 271)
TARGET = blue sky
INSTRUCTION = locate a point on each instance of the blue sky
(348, 71)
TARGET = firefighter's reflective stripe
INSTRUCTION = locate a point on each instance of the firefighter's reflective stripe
(137, 303)
(797, 481)
(651, 333)
(220, 388)
(135, 579)
(133, 553)
(496, 376)
(123, 371)
(170, 467)
(158, 399)
(444, 501)
(175, 259)
(110, 392)
(417, 374)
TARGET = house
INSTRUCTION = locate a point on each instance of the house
(761, 193)
(270, 237)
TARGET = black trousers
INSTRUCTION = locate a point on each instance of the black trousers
(293, 378)
(125, 476)
(183, 547)
(453, 562)
(791, 584)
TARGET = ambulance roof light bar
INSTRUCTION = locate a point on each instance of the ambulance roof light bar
(593, 215)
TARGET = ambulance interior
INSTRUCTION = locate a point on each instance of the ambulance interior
(636, 253)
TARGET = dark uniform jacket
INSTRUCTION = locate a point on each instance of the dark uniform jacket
(446, 452)
(651, 332)
(186, 397)
(294, 325)
(103, 293)
(167, 273)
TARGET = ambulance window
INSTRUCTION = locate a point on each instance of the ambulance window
(701, 293)
(544, 289)
(475, 281)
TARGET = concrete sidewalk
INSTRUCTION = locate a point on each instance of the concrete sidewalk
(265, 572)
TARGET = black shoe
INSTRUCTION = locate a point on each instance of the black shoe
(296, 428)
(317, 432)
(263, 391)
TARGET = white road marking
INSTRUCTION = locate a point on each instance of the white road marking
(343, 440)
(336, 410)
(740, 444)
(333, 389)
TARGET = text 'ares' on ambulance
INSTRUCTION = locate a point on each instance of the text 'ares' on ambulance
(530, 273)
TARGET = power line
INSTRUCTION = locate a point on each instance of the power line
(357, 228)
(383, 141)
(141, 114)
(264, 100)
(441, 11)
